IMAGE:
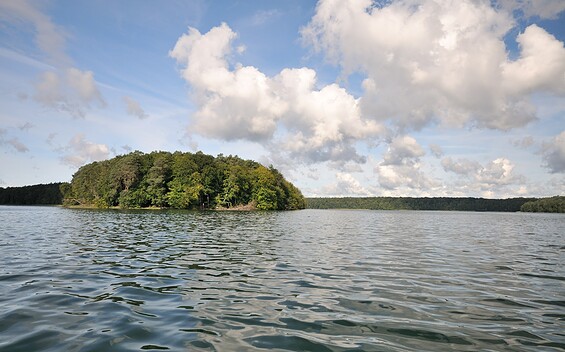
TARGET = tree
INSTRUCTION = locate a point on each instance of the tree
(181, 180)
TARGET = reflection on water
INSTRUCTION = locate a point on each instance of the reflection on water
(90, 280)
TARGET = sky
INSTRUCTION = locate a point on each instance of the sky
(457, 98)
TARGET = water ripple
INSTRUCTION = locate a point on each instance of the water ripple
(90, 280)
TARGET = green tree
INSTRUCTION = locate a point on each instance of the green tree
(181, 180)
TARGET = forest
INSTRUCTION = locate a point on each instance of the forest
(545, 205)
(200, 181)
(42, 194)
(181, 180)
(409, 203)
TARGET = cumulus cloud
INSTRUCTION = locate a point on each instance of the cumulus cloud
(489, 178)
(435, 59)
(241, 102)
(402, 150)
(133, 108)
(233, 104)
(401, 166)
(464, 167)
(404, 178)
(79, 151)
(345, 185)
(423, 62)
(541, 65)
(554, 154)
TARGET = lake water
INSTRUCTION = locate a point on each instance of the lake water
(312, 280)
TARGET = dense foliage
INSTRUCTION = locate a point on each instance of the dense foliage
(181, 180)
(401, 203)
(44, 194)
(545, 205)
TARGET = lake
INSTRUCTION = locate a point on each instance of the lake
(310, 280)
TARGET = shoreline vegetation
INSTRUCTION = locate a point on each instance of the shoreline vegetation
(50, 194)
(554, 204)
(179, 180)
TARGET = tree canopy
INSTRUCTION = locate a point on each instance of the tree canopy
(42, 194)
(409, 203)
(181, 180)
(545, 205)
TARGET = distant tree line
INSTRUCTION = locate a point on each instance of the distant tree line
(545, 205)
(43, 194)
(409, 203)
(181, 180)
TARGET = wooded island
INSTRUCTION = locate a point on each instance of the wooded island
(181, 181)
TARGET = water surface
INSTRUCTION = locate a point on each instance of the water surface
(312, 280)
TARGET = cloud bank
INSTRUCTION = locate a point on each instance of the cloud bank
(422, 63)
(438, 60)
(287, 112)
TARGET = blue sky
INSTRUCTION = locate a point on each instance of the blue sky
(346, 98)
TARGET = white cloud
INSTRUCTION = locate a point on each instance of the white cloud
(233, 104)
(72, 93)
(83, 83)
(464, 167)
(405, 178)
(542, 8)
(64, 88)
(438, 59)
(491, 178)
(498, 172)
(402, 150)
(541, 65)
(79, 151)
(49, 37)
(322, 124)
(345, 185)
(133, 108)
(401, 166)
(554, 154)
(287, 111)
